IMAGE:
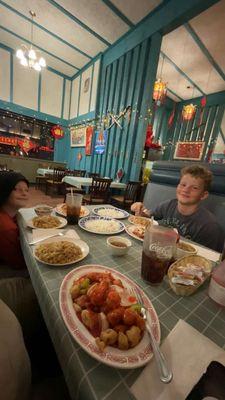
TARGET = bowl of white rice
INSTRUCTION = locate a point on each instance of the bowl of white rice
(101, 225)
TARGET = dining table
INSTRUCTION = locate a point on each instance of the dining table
(44, 171)
(79, 181)
(86, 377)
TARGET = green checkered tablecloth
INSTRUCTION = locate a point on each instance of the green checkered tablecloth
(87, 378)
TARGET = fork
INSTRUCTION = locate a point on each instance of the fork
(47, 237)
(165, 373)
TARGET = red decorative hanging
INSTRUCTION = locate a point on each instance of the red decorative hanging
(171, 117)
(188, 112)
(57, 131)
(79, 156)
(203, 104)
(149, 139)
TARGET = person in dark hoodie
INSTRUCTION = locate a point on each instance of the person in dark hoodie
(14, 189)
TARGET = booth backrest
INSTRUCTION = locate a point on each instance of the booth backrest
(165, 176)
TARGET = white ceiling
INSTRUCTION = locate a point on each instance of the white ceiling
(69, 33)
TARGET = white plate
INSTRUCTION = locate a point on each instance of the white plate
(124, 214)
(63, 223)
(130, 230)
(82, 223)
(60, 211)
(135, 220)
(132, 358)
(83, 246)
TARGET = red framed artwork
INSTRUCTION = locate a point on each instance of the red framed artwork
(189, 151)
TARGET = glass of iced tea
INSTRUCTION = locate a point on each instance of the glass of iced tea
(73, 203)
(158, 251)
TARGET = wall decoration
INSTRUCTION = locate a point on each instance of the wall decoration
(79, 156)
(100, 141)
(86, 85)
(77, 136)
(57, 131)
(188, 112)
(189, 150)
(115, 118)
(89, 136)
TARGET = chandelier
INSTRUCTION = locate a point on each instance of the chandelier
(27, 55)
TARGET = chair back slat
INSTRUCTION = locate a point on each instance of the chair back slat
(79, 172)
(131, 191)
(58, 174)
(100, 188)
(93, 175)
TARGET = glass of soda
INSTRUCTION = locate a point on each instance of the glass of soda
(73, 202)
(158, 251)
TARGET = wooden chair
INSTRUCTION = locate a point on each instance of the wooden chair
(3, 167)
(98, 191)
(79, 172)
(55, 180)
(129, 196)
(93, 175)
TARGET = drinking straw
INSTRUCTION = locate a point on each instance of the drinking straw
(72, 197)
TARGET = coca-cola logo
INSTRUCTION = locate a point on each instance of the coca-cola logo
(162, 251)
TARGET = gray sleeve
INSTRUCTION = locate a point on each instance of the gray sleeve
(161, 211)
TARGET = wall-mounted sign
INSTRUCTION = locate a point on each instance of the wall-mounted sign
(100, 141)
(89, 136)
(189, 151)
(78, 136)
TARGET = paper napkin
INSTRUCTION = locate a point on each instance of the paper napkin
(45, 233)
(188, 353)
(207, 253)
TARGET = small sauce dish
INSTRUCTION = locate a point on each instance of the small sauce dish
(118, 245)
(43, 209)
(185, 249)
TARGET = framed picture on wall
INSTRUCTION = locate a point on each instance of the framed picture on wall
(189, 151)
(77, 137)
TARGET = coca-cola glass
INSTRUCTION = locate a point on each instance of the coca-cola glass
(158, 251)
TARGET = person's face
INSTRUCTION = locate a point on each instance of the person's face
(190, 190)
(19, 196)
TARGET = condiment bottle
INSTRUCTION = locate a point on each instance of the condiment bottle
(217, 284)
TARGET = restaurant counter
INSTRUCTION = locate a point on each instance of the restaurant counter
(86, 377)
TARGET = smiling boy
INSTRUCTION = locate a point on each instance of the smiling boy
(185, 213)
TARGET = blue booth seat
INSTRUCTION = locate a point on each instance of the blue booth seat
(165, 176)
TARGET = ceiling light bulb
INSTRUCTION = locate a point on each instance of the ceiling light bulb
(42, 62)
(37, 67)
(19, 54)
(24, 62)
(32, 54)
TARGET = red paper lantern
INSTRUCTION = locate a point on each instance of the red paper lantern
(57, 131)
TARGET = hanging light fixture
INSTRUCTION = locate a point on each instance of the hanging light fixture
(160, 88)
(28, 55)
(188, 111)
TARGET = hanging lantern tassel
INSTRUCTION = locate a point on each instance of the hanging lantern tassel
(188, 112)
(171, 117)
(203, 104)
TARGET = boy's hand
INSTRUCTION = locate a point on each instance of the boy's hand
(139, 209)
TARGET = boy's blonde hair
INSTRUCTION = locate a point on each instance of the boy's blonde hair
(198, 171)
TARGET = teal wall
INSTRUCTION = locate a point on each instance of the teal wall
(126, 81)
(191, 131)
